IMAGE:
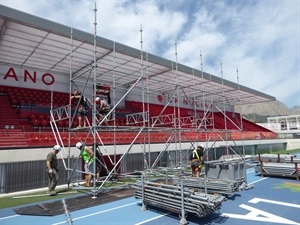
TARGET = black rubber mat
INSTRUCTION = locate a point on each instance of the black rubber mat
(76, 203)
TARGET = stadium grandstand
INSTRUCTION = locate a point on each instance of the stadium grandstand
(154, 101)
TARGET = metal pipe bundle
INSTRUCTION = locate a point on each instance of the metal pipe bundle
(169, 197)
(282, 158)
(279, 169)
(227, 187)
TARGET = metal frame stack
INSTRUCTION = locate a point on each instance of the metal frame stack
(209, 185)
(178, 199)
(278, 165)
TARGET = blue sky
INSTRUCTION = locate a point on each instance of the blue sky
(259, 37)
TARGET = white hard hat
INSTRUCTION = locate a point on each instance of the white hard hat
(57, 148)
(97, 98)
(200, 146)
(78, 145)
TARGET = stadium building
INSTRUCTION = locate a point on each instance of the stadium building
(160, 110)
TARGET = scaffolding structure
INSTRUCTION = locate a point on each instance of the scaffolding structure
(141, 77)
(141, 123)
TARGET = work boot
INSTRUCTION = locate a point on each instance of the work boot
(52, 193)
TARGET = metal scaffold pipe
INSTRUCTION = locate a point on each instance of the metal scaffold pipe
(178, 198)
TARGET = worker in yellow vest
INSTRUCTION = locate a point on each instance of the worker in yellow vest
(196, 161)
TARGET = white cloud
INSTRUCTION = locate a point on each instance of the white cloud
(261, 38)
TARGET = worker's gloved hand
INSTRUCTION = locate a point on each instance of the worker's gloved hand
(50, 171)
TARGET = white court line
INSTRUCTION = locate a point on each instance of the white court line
(257, 200)
(8, 217)
(258, 180)
(88, 215)
(154, 218)
(250, 171)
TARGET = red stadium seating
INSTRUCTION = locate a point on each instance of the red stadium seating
(29, 110)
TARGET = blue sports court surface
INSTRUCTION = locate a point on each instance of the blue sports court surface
(272, 200)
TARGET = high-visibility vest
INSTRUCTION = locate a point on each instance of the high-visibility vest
(86, 156)
(195, 152)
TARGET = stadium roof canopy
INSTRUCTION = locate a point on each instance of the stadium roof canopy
(33, 42)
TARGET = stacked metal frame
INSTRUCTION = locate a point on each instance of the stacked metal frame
(219, 186)
(283, 158)
(284, 165)
(279, 169)
(178, 199)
